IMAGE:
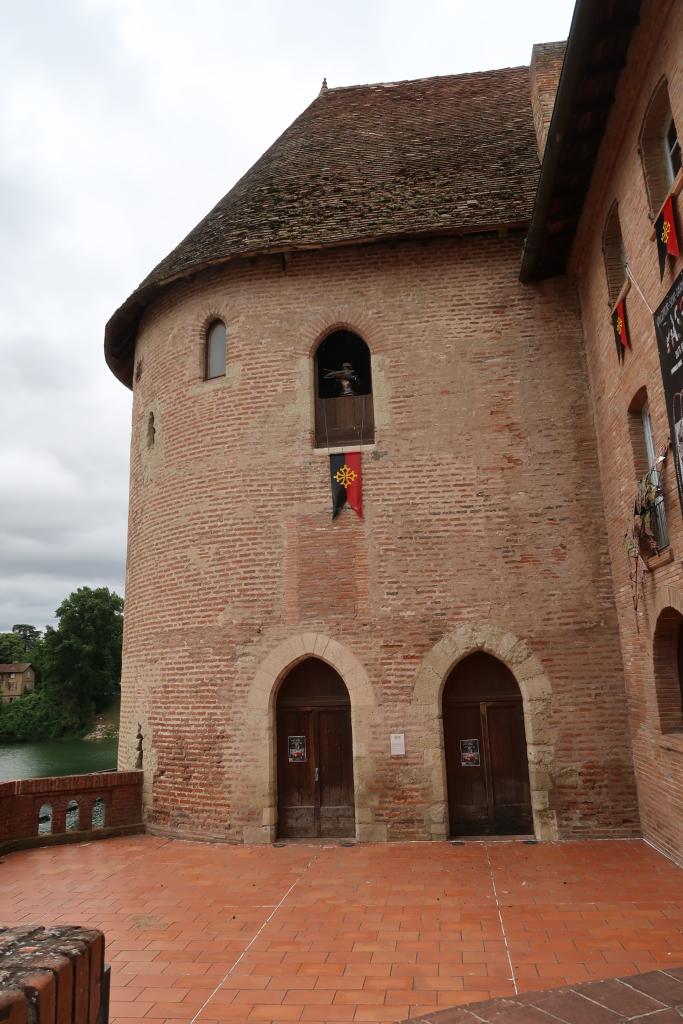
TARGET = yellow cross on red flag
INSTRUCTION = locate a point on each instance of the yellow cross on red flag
(620, 327)
(666, 234)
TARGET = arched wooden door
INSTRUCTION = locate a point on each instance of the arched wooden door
(314, 754)
(485, 744)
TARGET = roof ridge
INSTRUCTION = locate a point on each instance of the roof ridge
(414, 81)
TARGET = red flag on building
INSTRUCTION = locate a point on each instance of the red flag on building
(346, 480)
(667, 237)
(620, 329)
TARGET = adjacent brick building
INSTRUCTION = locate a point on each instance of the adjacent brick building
(453, 661)
(15, 680)
(627, 178)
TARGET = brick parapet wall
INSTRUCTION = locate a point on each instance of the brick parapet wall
(51, 975)
(21, 801)
(655, 52)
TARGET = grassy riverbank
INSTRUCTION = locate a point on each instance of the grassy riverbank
(105, 725)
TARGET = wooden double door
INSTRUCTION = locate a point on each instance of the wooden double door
(486, 757)
(314, 754)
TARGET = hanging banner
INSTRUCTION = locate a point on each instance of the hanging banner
(346, 480)
(669, 330)
(666, 235)
(620, 328)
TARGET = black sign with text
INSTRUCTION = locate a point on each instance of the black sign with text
(669, 330)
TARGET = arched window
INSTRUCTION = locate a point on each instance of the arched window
(667, 650)
(216, 350)
(344, 411)
(45, 820)
(72, 816)
(151, 431)
(645, 452)
(614, 254)
(98, 813)
(660, 148)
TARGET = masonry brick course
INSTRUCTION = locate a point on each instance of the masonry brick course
(51, 975)
(475, 516)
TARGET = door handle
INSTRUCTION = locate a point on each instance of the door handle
(317, 777)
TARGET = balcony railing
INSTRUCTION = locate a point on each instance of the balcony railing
(342, 421)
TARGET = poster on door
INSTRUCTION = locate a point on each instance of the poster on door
(296, 749)
(469, 753)
(669, 330)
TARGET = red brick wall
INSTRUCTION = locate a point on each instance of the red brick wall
(544, 75)
(655, 51)
(52, 975)
(20, 802)
(482, 507)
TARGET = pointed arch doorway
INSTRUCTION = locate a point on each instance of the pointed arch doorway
(487, 769)
(314, 754)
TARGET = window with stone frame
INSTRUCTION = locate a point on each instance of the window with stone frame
(645, 455)
(660, 148)
(614, 254)
(344, 412)
(215, 350)
(659, 515)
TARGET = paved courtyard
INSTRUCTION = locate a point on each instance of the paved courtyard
(206, 933)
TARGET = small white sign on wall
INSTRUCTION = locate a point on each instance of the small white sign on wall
(397, 743)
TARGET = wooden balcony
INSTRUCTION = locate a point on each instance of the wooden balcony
(344, 421)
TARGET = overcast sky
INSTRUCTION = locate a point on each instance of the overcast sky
(122, 122)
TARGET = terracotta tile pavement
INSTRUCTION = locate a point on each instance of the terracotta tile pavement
(366, 933)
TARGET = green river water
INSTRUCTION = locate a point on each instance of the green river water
(56, 757)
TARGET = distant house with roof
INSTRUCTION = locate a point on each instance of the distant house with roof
(16, 680)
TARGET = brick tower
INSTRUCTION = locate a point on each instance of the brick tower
(449, 662)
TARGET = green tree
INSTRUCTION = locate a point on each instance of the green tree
(81, 658)
(29, 636)
(11, 649)
(34, 717)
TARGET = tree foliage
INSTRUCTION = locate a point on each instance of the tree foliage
(29, 636)
(35, 716)
(79, 666)
(11, 649)
(82, 656)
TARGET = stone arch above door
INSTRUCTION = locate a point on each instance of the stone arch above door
(536, 692)
(261, 700)
(285, 656)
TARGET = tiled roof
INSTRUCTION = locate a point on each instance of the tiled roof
(435, 155)
(19, 667)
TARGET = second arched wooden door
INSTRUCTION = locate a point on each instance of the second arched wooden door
(485, 746)
(314, 754)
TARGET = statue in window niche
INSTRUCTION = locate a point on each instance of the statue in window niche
(346, 378)
(138, 748)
